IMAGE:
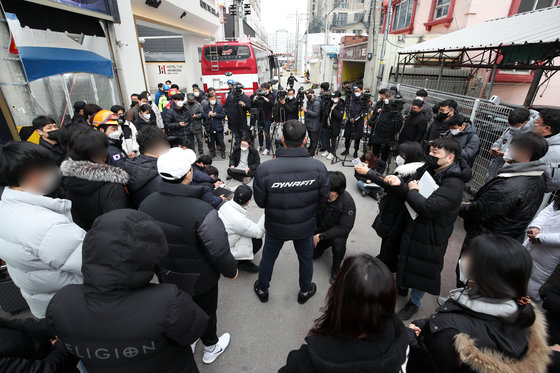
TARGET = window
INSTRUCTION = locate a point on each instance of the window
(358, 17)
(359, 1)
(341, 31)
(529, 5)
(357, 32)
(342, 3)
(442, 9)
(340, 19)
(402, 15)
(228, 52)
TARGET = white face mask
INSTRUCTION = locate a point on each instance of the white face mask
(420, 98)
(212, 102)
(196, 94)
(290, 97)
(455, 132)
(357, 94)
(386, 101)
(115, 135)
(335, 100)
(146, 116)
(399, 160)
(244, 148)
(179, 104)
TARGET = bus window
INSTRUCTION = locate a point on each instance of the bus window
(229, 52)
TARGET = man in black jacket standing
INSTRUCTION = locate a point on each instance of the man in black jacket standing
(335, 220)
(47, 128)
(355, 126)
(415, 125)
(290, 188)
(291, 106)
(198, 243)
(177, 120)
(312, 120)
(236, 106)
(334, 123)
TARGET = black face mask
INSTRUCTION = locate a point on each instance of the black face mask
(442, 116)
(432, 161)
(309, 97)
(54, 135)
(414, 113)
(121, 119)
(133, 104)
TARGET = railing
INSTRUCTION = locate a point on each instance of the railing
(489, 119)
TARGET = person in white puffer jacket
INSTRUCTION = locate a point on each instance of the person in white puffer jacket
(39, 242)
(244, 235)
(543, 243)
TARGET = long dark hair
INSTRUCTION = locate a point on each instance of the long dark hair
(360, 302)
(411, 152)
(500, 268)
(370, 159)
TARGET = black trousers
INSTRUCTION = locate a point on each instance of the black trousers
(381, 151)
(239, 131)
(313, 141)
(338, 245)
(216, 139)
(331, 135)
(208, 301)
(239, 174)
(257, 245)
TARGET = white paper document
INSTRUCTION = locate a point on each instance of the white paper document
(427, 186)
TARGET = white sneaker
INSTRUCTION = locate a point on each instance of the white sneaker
(326, 153)
(216, 350)
(330, 156)
(193, 346)
(265, 152)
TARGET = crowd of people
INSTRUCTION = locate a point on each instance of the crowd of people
(117, 232)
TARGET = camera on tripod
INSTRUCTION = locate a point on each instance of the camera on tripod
(300, 96)
(281, 94)
(237, 91)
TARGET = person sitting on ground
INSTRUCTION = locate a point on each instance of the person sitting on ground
(520, 120)
(198, 244)
(490, 324)
(390, 221)
(335, 220)
(543, 243)
(28, 345)
(47, 128)
(118, 321)
(243, 162)
(358, 330)
(142, 170)
(365, 185)
(244, 236)
(39, 242)
(93, 186)
(462, 130)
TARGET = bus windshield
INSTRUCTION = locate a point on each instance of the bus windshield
(228, 52)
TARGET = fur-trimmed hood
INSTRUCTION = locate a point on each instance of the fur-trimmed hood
(86, 170)
(484, 360)
(408, 168)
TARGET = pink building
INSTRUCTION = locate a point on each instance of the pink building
(415, 21)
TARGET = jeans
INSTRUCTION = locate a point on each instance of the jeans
(322, 138)
(271, 249)
(264, 126)
(208, 301)
(338, 245)
(369, 190)
(416, 296)
(199, 142)
(313, 140)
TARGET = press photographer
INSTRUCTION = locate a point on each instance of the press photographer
(312, 120)
(262, 104)
(334, 123)
(355, 125)
(387, 124)
(236, 106)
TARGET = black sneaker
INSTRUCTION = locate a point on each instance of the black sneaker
(409, 310)
(304, 297)
(403, 292)
(223, 155)
(263, 295)
(344, 152)
(248, 266)
(333, 277)
(355, 154)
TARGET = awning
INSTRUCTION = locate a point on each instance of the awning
(330, 50)
(45, 53)
(537, 27)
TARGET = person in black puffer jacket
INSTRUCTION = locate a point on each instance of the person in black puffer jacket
(490, 325)
(430, 231)
(144, 177)
(358, 331)
(198, 242)
(507, 203)
(335, 220)
(239, 171)
(289, 188)
(414, 127)
(93, 187)
(25, 346)
(177, 120)
(355, 125)
(117, 321)
(389, 222)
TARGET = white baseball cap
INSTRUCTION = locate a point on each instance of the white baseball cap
(176, 163)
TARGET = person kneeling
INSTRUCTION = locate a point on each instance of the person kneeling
(335, 220)
(244, 236)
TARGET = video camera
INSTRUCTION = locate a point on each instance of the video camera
(237, 91)
(300, 96)
(281, 94)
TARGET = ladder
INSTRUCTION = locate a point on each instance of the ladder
(214, 63)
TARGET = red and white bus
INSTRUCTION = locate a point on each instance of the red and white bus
(246, 62)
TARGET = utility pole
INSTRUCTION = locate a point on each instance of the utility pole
(383, 46)
(373, 38)
(297, 41)
(240, 19)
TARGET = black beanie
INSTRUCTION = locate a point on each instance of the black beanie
(243, 194)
